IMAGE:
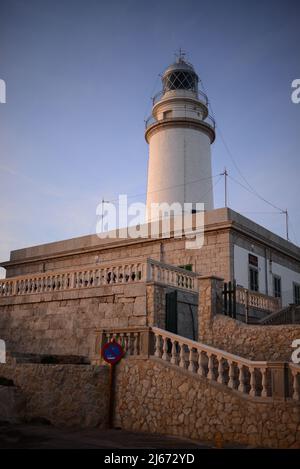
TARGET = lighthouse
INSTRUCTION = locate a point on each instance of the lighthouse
(179, 133)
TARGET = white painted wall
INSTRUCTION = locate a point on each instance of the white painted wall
(241, 272)
(177, 157)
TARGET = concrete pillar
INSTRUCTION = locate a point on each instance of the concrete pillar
(210, 303)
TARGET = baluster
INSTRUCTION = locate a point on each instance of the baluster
(86, 281)
(130, 343)
(97, 277)
(117, 273)
(165, 355)
(123, 274)
(92, 278)
(191, 366)
(167, 276)
(73, 280)
(221, 377)
(296, 389)
(201, 367)
(174, 354)
(143, 271)
(101, 277)
(104, 279)
(79, 279)
(129, 273)
(210, 374)
(252, 391)
(172, 277)
(135, 344)
(264, 392)
(231, 382)
(241, 386)
(182, 356)
(157, 346)
(127, 342)
(122, 341)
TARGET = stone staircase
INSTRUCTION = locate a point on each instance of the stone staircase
(287, 315)
(248, 378)
(171, 385)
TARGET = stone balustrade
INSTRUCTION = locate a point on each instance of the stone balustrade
(126, 271)
(253, 379)
(95, 276)
(135, 341)
(171, 275)
(257, 300)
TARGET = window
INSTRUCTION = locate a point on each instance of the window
(277, 286)
(253, 279)
(180, 80)
(167, 114)
(187, 267)
(296, 293)
(253, 260)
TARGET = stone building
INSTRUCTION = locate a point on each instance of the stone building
(192, 367)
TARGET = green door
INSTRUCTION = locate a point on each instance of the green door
(171, 312)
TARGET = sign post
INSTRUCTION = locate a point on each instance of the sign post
(112, 352)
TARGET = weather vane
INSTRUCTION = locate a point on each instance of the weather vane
(180, 55)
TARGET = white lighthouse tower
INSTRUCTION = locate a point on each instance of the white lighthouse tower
(180, 133)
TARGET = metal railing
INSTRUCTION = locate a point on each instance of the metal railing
(209, 120)
(200, 95)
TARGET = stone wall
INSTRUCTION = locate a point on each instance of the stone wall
(12, 404)
(64, 395)
(253, 342)
(159, 398)
(212, 258)
(65, 322)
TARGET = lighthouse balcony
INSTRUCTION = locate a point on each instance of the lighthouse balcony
(208, 121)
(199, 95)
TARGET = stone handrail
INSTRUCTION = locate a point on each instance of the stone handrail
(248, 377)
(116, 272)
(257, 300)
(288, 315)
(131, 270)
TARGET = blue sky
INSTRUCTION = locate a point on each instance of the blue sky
(79, 76)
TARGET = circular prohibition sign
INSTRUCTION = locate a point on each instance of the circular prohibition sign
(112, 352)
